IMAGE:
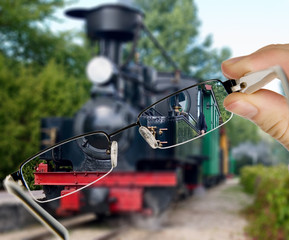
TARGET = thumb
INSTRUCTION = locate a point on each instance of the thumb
(267, 109)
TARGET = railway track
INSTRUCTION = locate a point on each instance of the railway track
(88, 221)
(211, 215)
(107, 235)
(82, 227)
(113, 233)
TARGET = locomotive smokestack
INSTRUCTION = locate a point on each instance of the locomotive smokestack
(110, 25)
(111, 49)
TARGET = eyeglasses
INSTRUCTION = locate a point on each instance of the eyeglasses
(83, 160)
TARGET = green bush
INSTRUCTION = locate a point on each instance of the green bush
(269, 214)
(250, 177)
(26, 96)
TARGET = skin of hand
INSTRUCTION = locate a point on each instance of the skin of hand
(267, 109)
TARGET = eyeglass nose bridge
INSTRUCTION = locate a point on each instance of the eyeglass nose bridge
(148, 137)
(114, 153)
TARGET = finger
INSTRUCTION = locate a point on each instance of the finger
(268, 56)
(266, 109)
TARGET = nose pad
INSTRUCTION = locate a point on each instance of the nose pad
(148, 136)
(113, 154)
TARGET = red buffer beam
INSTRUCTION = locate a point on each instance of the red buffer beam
(119, 179)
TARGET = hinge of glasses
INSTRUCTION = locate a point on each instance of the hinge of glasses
(254, 81)
(16, 176)
(229, 85)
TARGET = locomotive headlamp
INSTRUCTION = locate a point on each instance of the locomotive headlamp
(99, 70)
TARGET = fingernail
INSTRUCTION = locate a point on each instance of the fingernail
(243, 109)
(233, 60)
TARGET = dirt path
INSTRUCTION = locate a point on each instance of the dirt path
(211, 215)
(208, 215)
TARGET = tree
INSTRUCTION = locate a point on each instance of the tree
(26, 97)
(20, 28)
(26, 37)
(175, 25)
(41, 74)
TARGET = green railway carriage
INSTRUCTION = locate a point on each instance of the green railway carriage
(212, 166)
(210, 108)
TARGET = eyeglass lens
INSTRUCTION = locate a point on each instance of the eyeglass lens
(67, 167)
(187, 115)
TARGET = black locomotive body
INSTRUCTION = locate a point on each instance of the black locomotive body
(116, 103)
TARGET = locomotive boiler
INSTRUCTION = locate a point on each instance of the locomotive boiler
(146, 180)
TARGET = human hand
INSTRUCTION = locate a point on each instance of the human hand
(267, 109)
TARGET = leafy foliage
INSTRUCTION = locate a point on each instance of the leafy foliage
(19, 29)
(25, 37)
(26, 97)
(220, 94)
(269, 214)
(41, 74)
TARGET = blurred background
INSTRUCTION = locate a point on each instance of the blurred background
(43, 57)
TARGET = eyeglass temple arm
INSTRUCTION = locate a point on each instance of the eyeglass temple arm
(253, 81)
(53, 225)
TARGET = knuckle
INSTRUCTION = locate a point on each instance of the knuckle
(278, 130)
(267, 56)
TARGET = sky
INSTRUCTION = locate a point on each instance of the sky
(243, 26)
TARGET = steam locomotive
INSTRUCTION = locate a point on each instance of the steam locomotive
(146, 180)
